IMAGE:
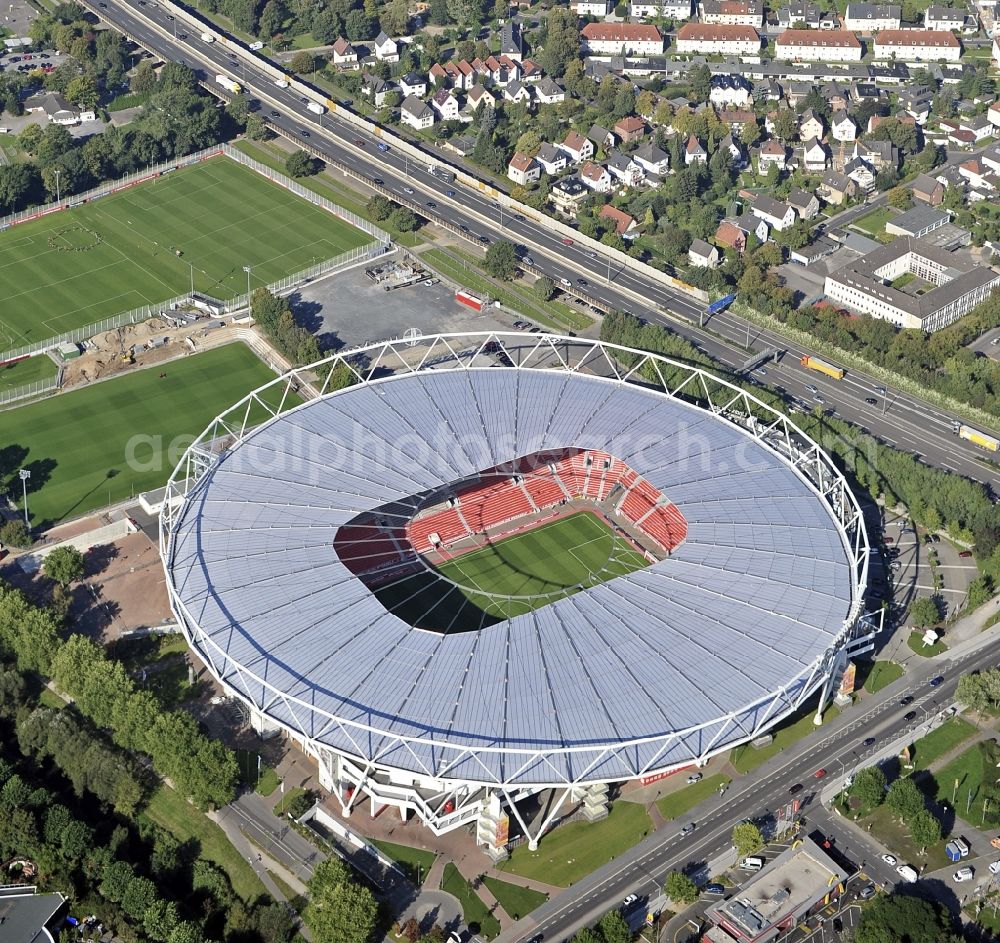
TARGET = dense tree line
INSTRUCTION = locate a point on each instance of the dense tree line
(61, 784)
(935, 498)
(903, 919)
(198, 766)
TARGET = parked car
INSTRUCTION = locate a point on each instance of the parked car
(695, 777)
(965, 554)
(889, 860)
(868, 892)
(962, 875)
(714, 888)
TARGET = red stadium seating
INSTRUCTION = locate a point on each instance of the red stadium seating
(447, 524)
(366, 547)
(495, 505)
(544, 489)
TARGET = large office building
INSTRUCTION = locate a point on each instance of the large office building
(943, 286)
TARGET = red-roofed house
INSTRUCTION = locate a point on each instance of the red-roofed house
(630, 129)
(577, 147)
(596, 177)
(523, 169)
(709, 39)
(625, 225)
(917, 45)
(616, 39)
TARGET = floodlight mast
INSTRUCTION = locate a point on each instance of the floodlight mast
(24, 474)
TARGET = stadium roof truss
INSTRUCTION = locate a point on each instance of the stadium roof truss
(368, 740)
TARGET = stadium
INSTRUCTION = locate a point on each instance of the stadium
(500, 572)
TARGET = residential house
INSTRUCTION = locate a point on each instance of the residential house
(918, 108)
(445, 104)
(834, 45)
(993, 114)
(567, 194)
(601, 137)
(523, 169)
(917, 45)
(706, 39)
(777, 215)
(577, 147)
(730, 91)
(991, 157)
(979, 126)
(944, 18)
(797, 92)
(651, 159)
(57, 109)
(622, 39)
(480, 95)
(928, 190)
(511, 44)
(865, 92)
(771, 152)
(733, 12)
(551, 159)
(862, 173)
(799, 15)
(737, 118)
(814, 156)
(694, 153)
(703, 255)
(416, 114)
(549, 92)
(976, 173)
(882, 155)
(438, 74)
(517, 92)
(667, 9)
(386, 48)
(625, 169)
(810, 125)
(737, 155)
(734, 232)
(630, 129)
(625, 225)
(375, 88)
(598, 8)
(842, 127)
(836, 187)
(835, 96)
(531, 71)
(596, 177)
(344, 54)
(413, 84)
(805, 204)
(871, 17)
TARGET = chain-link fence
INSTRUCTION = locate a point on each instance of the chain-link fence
(381, 245)
(29, 390)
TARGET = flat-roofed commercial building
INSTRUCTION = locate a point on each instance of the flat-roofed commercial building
(800, 880)
(956, 284)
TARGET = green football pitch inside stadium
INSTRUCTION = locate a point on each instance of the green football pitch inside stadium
(75, 268)
(547, 563)
(100, 444)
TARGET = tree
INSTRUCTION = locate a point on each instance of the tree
(898, 919)
(64, 565)
(973, 692)
(403, 219)
(543, 288)
(272, 20)
(300, 164)
(900, 198)
(747, 838)
(339, 910)
(14, 534)
(613, 928)
(680, 888)
(303, 62)
(925, 829)
(924, 612)
(143, 80)
(869, 787)
(905, 799)
(501, 260)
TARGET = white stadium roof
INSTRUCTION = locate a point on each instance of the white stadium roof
(643, 672)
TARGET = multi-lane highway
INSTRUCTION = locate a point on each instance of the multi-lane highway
(903, 421)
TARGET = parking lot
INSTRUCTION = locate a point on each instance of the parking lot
(350, 310)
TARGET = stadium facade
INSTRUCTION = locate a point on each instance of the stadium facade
(276, 536)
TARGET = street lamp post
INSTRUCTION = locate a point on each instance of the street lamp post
(24, 474)
(248, 269)
(57, 173)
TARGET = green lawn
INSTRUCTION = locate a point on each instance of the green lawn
(916, 643)
(49, 698)
(516, 901)
(747, 758)
(415, 862)
(23, 372)
(102, 443)
(572, 851)
(678, 803)
(880, 675)
(886, 829)
(874, 222)
(959, 783)
(941, 740)
(287, 798)
(537, 566)
(171, 811)
(140, 246)
(260, 776)
(475, 911)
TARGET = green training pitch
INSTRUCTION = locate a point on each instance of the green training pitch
(75, 268)
(537, 566)
(22, 372)
(91, 447)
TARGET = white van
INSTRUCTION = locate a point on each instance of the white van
(752, 863)
(907, 873)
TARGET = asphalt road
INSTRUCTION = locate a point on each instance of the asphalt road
(906, 422)
(837, 748)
